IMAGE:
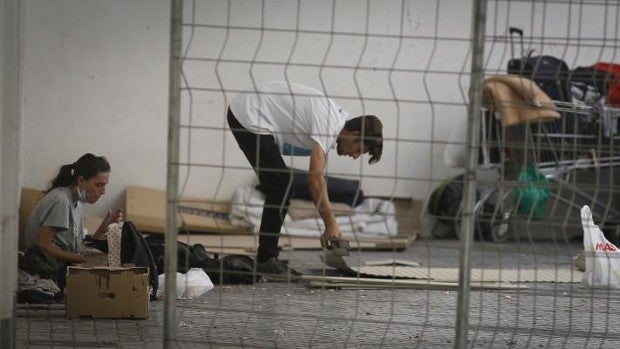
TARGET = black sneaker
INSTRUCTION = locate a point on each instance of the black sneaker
(276, 270)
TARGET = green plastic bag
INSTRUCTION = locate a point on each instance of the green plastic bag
(532, 191)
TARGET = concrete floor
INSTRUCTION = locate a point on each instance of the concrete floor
(281, 315)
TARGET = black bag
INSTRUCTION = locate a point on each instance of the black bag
(584, 77)
(231, 269)
(551, 74)
(135, 250)
(445, 204)
(37, 261)
(187, 256)
(445, 201)
(553, 77)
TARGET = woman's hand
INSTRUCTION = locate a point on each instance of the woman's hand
(115, 216)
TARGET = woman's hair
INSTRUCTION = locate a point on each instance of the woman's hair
(371, 129)
(87, 166)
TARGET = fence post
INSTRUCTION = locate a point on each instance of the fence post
(473, 133)
(172, 177)
(11, 97)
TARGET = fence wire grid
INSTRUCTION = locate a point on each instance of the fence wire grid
(535, 238)
(540, 159)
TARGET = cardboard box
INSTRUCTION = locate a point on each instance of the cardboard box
(28, 201)
(107, 292)
(146, 208)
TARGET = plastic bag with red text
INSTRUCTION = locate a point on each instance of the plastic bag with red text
(602, 257)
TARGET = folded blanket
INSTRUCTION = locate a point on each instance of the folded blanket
(340, 190)
(374, 217)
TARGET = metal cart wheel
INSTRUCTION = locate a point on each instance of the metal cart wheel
(500, 229)
(494, 210)
(492, 219)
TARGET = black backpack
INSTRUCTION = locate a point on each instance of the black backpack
(445, 201)
(135, 250)
(445, 204)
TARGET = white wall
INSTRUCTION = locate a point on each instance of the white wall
(96, 80)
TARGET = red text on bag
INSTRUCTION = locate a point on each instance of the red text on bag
(604, 247)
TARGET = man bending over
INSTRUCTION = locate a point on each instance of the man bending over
(280, 118)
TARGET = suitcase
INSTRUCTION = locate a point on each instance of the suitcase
(551, 74)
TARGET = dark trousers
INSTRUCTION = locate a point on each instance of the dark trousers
(276, 182)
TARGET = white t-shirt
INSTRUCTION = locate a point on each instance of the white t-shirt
(296, 115)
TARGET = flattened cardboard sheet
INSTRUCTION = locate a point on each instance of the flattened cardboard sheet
(146, 208)
(28, 201)
(366, 283)
(560, 275)
(249, 243)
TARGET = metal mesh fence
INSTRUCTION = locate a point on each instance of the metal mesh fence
(545, 148)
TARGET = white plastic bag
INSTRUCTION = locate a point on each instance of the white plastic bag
(602, 257)
(189, 286)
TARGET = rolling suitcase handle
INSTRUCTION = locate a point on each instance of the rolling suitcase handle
(512, 31)
(516, 30)
(523, 58)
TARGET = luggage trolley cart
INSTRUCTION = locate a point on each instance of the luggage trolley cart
(558, 150)
(576, 143)
(597, 153)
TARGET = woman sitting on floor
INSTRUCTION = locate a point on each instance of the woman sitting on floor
(54, 232)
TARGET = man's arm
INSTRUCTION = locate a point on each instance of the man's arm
(318, 190)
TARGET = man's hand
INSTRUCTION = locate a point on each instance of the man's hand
(331, 233)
